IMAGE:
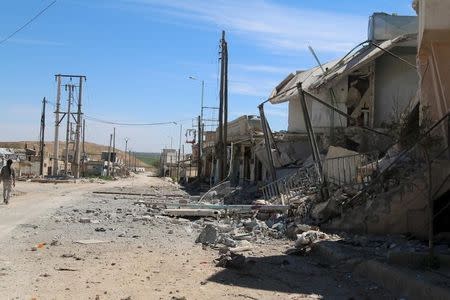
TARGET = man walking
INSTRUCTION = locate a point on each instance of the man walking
(8, 176)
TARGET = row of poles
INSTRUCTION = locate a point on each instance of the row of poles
(71, 117)
(68, 114)
(130, 159)
(77, 116)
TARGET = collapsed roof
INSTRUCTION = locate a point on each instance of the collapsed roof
(313, 79)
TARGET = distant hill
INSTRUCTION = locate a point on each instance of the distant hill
(150, 158)
(92, 149)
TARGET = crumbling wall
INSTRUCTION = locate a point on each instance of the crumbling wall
(401, 210)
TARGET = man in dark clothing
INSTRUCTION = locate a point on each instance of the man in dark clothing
(8, 176)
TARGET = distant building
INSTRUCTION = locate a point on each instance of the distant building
(168, 162)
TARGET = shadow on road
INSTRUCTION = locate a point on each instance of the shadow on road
(286, 274)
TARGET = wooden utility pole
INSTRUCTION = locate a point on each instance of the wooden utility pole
(109, 154)
(42, 139)
(57, 121)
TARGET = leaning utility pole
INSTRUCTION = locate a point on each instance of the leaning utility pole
(57, 121)
(42, 139)
(268, 147)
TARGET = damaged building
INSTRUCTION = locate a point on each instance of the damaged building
(361, 127)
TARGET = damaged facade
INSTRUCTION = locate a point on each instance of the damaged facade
(356, 121)
(244, 134)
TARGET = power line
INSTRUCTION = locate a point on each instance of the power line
(27, 23)
(131, 124)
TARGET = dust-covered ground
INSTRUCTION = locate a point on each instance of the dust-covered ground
(65, 242)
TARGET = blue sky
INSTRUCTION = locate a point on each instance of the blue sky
(138, 54)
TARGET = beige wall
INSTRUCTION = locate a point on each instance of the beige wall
(320, 115)
(434, 56)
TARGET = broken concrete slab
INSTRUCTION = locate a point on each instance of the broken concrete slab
(208, 236)
(188, 212)
(310, 237)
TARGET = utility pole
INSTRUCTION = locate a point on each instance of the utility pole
(268, 146)
(179, 154)
(129, 159)
(84, 148)
(77, 151)
(200, 145)
(221, 147)
(200, 129)
(70, 87)
(135, 161)
(200, 136)
(225, 108)
(109, 154)
(78, 130)
(57, 121)
(126, 149)
(42, 139)
(114, 151)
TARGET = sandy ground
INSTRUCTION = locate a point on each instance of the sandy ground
(137, 254)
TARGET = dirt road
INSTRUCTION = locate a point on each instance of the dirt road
(64, 242)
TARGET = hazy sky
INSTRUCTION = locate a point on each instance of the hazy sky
(138, 54)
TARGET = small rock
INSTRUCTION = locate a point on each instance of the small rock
(208, 236)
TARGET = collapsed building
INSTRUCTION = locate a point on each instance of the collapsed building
(245, 167)
(371, 151)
